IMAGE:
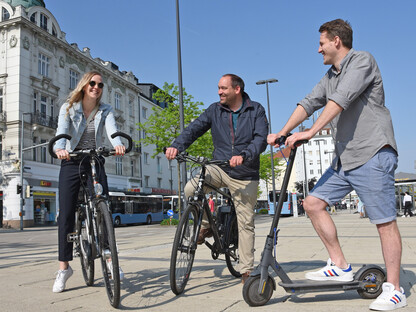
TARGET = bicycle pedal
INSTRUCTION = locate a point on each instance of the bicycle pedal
(72, 237)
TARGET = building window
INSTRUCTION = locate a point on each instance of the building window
(43, 103)
(1, 99)
(117, 100)
(119, 166)
(34, 154)
(146, 158)
(43, 152)
(159, 182)
(132, 168)
(43, 65)
(43, 21)
(5, 14)
(52, 109)
(311, 171)
(319, 171)
(35, 102)
(54, 32)
(146, 181)
(131, 108)
(73, 79)
(159, 165)
(311, 162)
(144, 112)
(33, 18)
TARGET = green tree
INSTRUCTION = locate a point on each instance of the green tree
(163, 125)
(266, 169)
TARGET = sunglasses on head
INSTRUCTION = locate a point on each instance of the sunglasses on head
(92, 83)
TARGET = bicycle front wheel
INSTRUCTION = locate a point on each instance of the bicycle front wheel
(232, 257)
(84, 248)
(109, 256)
(183, 250)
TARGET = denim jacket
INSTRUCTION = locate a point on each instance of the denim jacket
(74, 124)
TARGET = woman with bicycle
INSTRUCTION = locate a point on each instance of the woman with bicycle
(83, 117)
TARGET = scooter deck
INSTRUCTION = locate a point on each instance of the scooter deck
(304, 286)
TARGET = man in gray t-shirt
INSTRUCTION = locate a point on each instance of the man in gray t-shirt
(352, 96)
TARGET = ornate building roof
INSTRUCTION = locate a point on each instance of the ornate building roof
(26, 3)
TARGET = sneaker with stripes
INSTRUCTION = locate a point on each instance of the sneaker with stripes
(331, 273)
(389, 299)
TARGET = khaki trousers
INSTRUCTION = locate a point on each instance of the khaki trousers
(244, 194)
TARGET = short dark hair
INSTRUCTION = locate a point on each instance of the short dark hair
(236, 81)
(339, 28)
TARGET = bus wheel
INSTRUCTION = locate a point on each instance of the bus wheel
(149, 220)
(117, 221)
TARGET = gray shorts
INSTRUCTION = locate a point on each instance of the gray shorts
(373, 182)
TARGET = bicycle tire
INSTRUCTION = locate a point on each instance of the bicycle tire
(85, 250)
(183, 250)
(232, 257)
(108, 249)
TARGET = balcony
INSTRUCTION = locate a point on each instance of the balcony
(44, 120)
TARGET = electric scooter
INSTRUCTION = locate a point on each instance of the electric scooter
(259, 287)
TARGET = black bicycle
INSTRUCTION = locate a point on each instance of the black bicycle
(93, 236)
(224, 227)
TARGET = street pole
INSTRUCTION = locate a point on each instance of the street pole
(181, 112)
(270, 131)
(22, 198)
(306, 186)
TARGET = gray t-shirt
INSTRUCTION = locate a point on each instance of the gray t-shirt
(365, 125)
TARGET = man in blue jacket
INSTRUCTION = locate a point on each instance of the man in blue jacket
(239, 130)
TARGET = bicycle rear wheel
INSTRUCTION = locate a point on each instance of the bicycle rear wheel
(109, 256)
(232, 257)
(183, 250)
(84, 248)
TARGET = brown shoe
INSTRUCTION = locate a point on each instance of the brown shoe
(204, 233)
(245, 276)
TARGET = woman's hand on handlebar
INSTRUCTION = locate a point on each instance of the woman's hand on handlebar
(62, 154)
(120, 150)
(171, 153)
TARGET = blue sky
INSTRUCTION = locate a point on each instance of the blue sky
(256, 40)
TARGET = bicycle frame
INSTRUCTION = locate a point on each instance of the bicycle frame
(201, 203)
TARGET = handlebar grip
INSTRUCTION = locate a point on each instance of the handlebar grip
(52, 142)
(126, 136)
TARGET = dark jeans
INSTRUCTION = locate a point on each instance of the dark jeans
(69, 185)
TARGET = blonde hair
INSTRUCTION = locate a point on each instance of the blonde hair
(78, 93)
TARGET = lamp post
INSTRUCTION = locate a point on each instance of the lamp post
(266, 82)
(22, 199)
(320, 157)
(181, 112)
(305, 186)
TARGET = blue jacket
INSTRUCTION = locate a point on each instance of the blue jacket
(249, 139)
(74, 124)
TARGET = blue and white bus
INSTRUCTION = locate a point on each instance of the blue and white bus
(131, 209)
(287, 209)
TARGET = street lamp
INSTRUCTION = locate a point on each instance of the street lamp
(266, 82)
(181, 112)
(306, 186)
(320, 158)
(22, 199)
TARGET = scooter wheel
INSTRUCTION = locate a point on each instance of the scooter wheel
(251, 291)
(374, 279)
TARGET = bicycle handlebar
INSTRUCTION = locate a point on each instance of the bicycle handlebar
(181, 157)
(281, 140)
(101, 150)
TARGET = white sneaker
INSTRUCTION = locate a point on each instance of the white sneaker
(331, 273)
(109, 263)
(389, 299)
(61, 278)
